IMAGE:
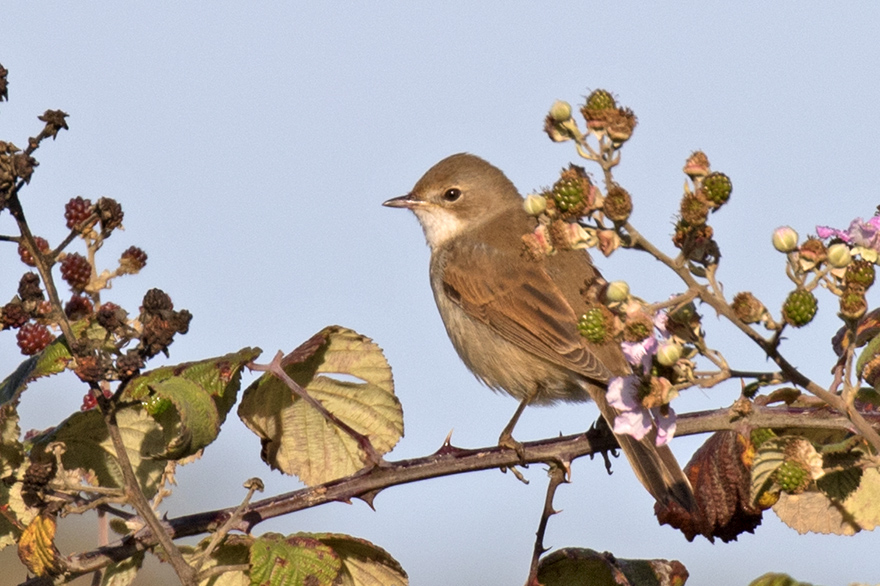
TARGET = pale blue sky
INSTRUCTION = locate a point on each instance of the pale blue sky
(252, 143)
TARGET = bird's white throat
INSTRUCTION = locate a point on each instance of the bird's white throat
(439, 225)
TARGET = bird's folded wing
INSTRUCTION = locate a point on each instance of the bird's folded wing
(523, 304)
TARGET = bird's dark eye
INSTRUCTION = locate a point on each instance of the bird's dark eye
(452, 194)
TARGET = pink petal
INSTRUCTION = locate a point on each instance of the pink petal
(635, 423)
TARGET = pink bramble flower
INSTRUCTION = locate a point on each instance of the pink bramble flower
(862, 234)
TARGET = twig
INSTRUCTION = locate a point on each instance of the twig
(557, 476)
(137, 499)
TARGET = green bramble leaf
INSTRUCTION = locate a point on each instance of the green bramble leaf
(870, 351)
(201, 394)
(297, 560)
(296, 438)
(769, 457)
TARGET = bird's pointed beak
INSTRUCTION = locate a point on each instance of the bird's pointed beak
(404, 201)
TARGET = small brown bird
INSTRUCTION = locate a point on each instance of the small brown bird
(512, 318)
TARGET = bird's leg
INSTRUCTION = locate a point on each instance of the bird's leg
(506, 439)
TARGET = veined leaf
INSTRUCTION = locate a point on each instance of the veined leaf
(292, 561)
(297, 438)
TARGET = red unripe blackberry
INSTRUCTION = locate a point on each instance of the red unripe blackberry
(76, 270)
(26, 257)
(32, 338)
(89, 402)
(132, 260)
(77, 211)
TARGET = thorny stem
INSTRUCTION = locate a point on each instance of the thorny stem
(770, 347)
(557, 476)
(447, 461)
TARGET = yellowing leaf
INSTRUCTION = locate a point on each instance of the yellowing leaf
(298, 439)
(573, 566)
(363, 564)
(88, 446)
(815, 512)
(36, 548)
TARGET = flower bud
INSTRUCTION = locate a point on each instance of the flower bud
(668, 353)
(560, 111)
(839, 255)
(535, 204)
(697, 165)
(785, 239)
(617, 292)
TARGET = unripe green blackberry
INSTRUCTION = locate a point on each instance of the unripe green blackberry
(793, 477)
(76, 270)
(32, 338)
(600, 100)
(800, 307)
(618, 204)
(594, 325)
(25, 255)
(77, 211)
(716, 188)
(860, 272)
(571, 192)
(760, 435)
(853, 304)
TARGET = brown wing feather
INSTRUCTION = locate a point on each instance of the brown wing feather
(526, 308)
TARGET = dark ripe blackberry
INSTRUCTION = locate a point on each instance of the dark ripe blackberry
(111, 316)
(32, 338)
(156, 300)
(110, 213)
(76, 270)
(26, 257)
(29, 288)
(181, 321)
(13, 315)
(132, 260)
(129, 364)
(78, 307)
(77, 211)
(91, 368)
(157, 336)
